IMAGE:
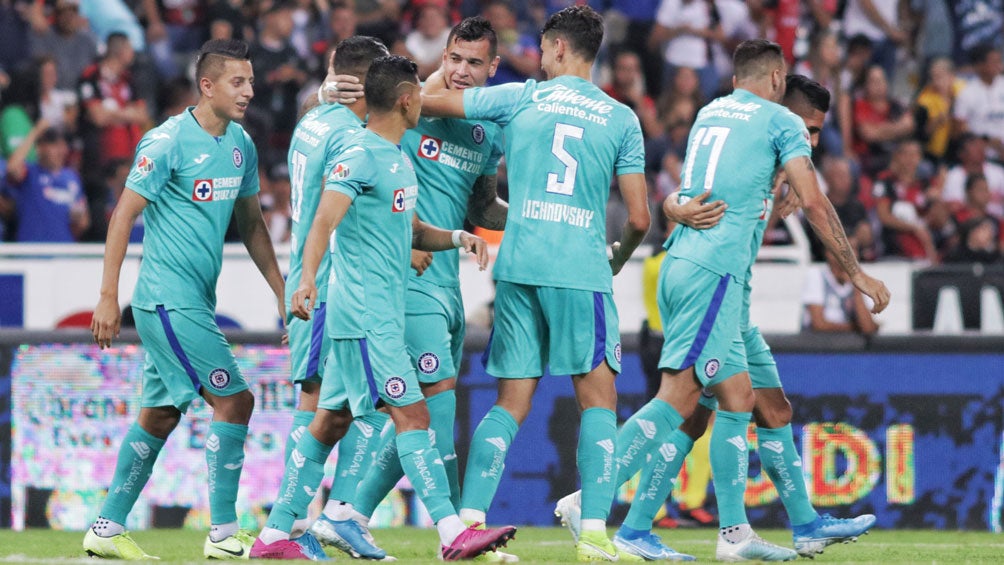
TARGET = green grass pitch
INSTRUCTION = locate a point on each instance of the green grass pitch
(541, 545)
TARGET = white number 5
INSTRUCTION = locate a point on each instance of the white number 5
(567, 183)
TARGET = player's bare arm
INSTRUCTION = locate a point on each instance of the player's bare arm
(694, 212)
(254, 234)
(430, 238)
(484, 207)
(107, 318)
(442, 103)
(329, 214)
(825, 222)
(634, 192)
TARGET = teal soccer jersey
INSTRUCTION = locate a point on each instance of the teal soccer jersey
(449, 155)
(190, 180)
(317, 140)
(373, 241)
(564, 140)
(735, 146)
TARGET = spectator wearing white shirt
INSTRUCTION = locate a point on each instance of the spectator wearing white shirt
(979, 108)
(830, 303)
(877, 20)
(427, 41)
(973, 161)
(688, 29)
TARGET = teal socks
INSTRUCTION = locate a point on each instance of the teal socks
(301, 419)
(781, 462)
(730, 465)
(637, 437)
(136, 457)
(595, 459)
(486, 459)
(657, 480)
(304, 471)
(381, 479)
(424, 467)
(225, 461)
(355, 454)
(442, 417)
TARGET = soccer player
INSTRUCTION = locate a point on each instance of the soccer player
(370, 196)
(190, 174)
(317, 140)
(554, 305)
(455, 162)
(772, 412)
(734, 148)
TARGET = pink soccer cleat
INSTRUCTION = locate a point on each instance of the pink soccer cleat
(477, 540)
(282, 549)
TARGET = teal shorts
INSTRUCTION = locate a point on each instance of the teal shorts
(185, 353)
(361, 371)
(434, 330)
(762, 367)
(700, 315)
(308, 346)
(568, 331)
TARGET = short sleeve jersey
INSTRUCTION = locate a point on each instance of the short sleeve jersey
(318, 138)
(734, 148)
(372, 256)
(191, 180)
(564, 140)
(449, 155)
(44, 201)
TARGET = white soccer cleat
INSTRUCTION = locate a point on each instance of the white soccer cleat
(569, 511)
(752, 548)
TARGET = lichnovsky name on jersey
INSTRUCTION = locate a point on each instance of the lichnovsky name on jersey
(554, 212)
(560, 99)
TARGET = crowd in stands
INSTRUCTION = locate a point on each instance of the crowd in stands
(910, 154)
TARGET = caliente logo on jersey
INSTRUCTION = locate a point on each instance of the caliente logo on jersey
(429, 148)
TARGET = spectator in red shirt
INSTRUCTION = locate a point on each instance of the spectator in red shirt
(113, 116)
(879, 122)
(903, 201)
(628, 88)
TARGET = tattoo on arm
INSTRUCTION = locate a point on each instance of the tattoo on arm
(841, 247)
(485, 208)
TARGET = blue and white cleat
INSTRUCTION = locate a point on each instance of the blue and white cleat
(348, 536)
(649, 547)
(752, 548)
(311, 547)
(811, 539)
(569, 511)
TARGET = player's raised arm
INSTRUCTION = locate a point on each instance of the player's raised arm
(634, 191)
(329, 214)
(442, 103)
(254, 234)
(107, 319)
(484, 207)
(430, 238)
(825, 222)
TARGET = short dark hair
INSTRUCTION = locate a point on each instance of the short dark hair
(580, 26)
(354, 55)
(860, 42)
(980, 53)
(972, 179)
(475, 29)
(756, 57)
(800, 89)
(214, 52)
(383, 79)
(115, 41)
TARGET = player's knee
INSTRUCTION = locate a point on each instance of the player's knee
(695, 425)
(411, 417)
(234, 409)
(329, 426)
(775, 414)
(159, 422)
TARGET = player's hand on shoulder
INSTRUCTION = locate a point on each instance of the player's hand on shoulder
(435, 83)
(106, 322)
(476, 246)
(695, 212)
(874, 289)
(420, 261)
(303, 300)
(341, 89)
